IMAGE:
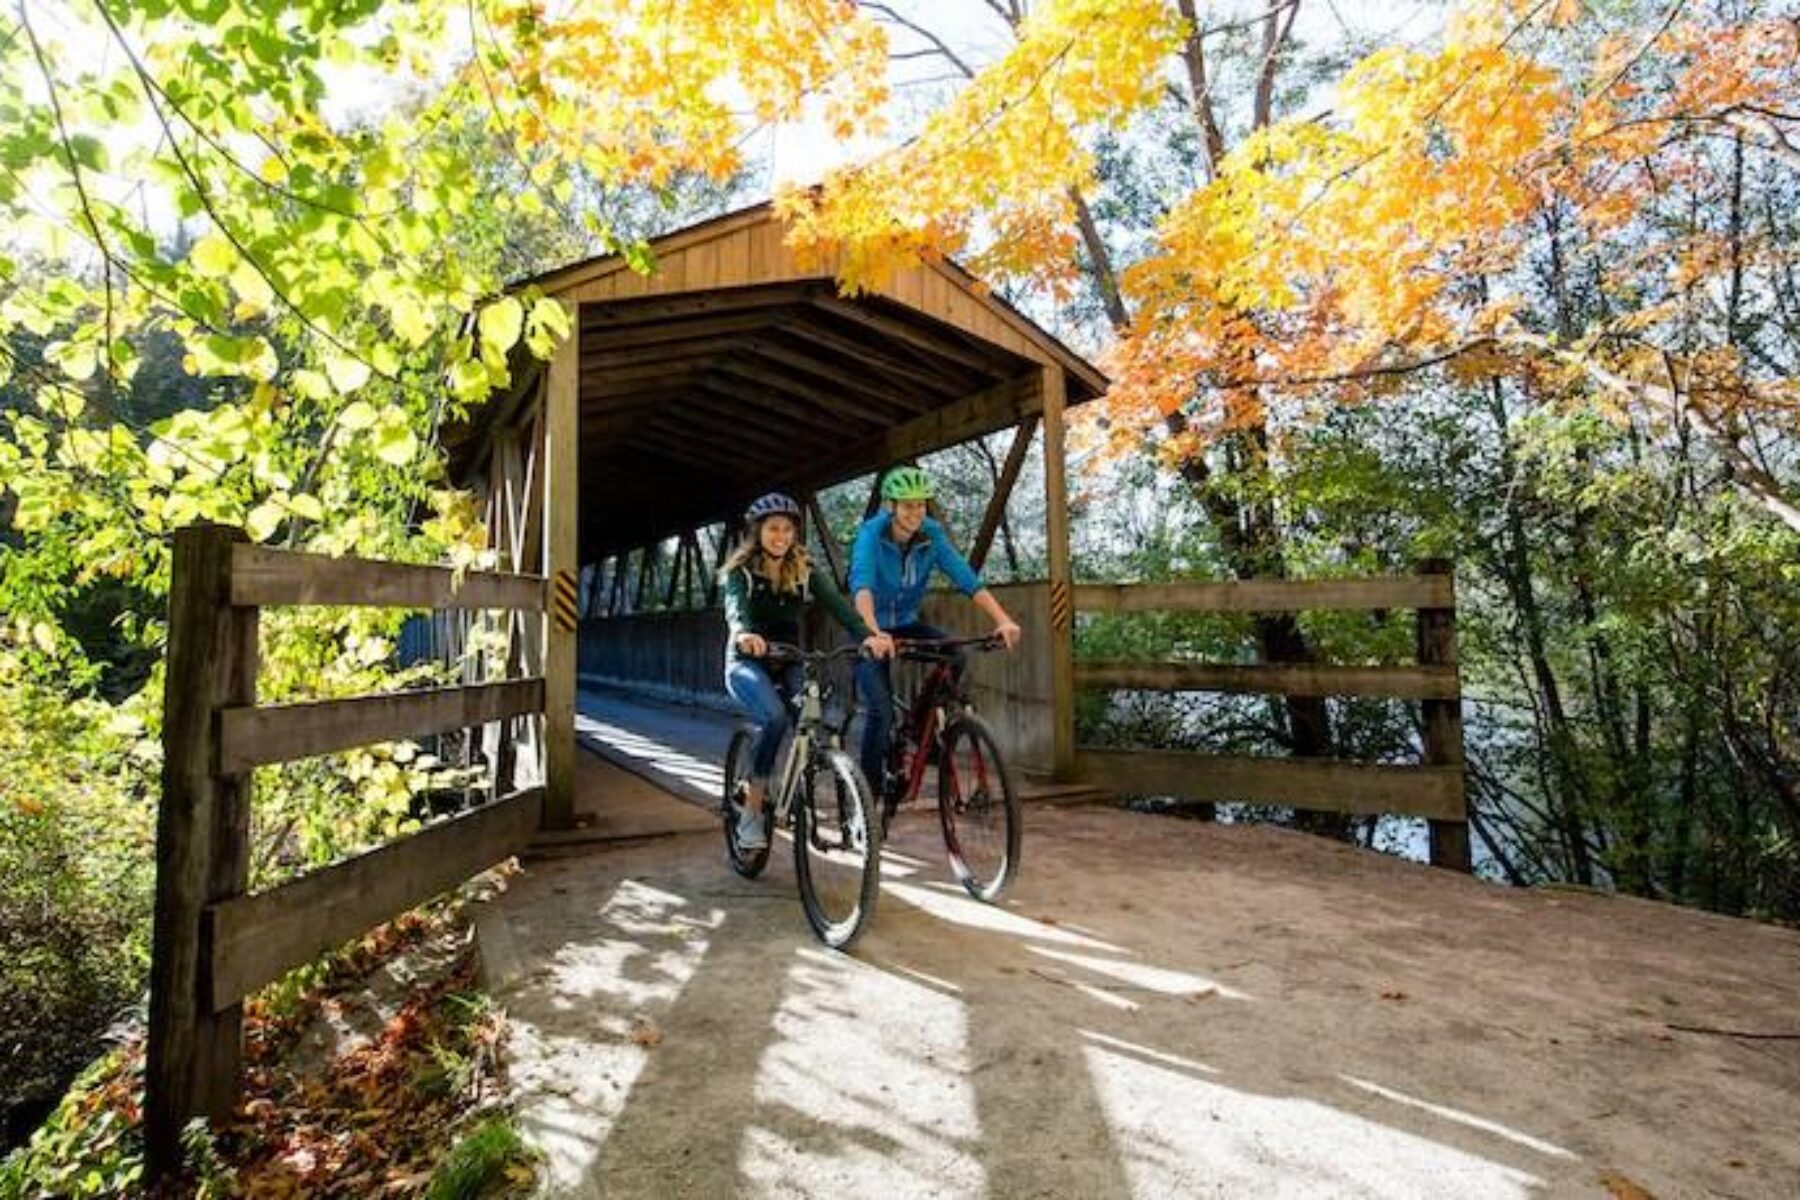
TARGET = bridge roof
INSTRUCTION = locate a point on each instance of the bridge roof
(732, 370)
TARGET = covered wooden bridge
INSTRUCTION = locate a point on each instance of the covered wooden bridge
(728, 371)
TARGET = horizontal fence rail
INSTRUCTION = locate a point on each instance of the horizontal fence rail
(261, 577)
(1269, 595)
(251, 736)
(1433, 789)
(256, 939)
(214, 943)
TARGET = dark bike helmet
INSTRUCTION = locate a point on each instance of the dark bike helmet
(906, 483)
(775, 504)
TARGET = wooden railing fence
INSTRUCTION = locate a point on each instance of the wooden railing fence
(214, 944)
(1433, 789)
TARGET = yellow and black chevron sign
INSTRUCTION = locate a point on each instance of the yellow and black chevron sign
(1062, 608)
(562, 599)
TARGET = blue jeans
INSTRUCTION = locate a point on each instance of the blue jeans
(875, 699)
(763, 696)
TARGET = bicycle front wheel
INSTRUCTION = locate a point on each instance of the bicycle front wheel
(837, 849)
(979, 808)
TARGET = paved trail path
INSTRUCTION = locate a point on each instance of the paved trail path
(1160, 1008)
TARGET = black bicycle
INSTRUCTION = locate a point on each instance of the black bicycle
(978, 805)
(818, 794)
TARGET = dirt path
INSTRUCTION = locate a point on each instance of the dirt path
(1161, 1009)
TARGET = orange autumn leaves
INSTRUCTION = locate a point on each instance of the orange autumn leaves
(1330, 254)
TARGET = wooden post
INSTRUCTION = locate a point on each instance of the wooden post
(561, 473)
(1443, 723)
(1009, 477)
(202, 844)
(1061, 633)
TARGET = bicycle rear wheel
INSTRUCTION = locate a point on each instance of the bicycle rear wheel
(837, 849)
(979, 808)
(748, 863)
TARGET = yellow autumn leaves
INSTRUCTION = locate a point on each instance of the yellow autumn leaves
(1000, 159)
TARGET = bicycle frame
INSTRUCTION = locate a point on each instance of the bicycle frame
(809, 725)
(922, 721)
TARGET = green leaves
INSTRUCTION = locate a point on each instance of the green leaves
(500, 324)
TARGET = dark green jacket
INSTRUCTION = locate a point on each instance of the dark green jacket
(752, 605)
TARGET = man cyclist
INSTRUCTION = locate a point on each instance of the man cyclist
(896, 550)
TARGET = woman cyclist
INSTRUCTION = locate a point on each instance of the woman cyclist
(896, 550)
(769, 580)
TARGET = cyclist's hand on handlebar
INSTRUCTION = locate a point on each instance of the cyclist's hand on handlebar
(752, 644)
(1008, 632)
(878, 645)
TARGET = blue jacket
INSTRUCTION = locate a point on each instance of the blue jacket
(897, 578)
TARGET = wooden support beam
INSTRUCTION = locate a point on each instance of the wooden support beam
(195, 1049)
(918, 336)
(1056, 532)
(646, 569)
(251, 736)
(616, 605)
(675, 569)
(618, 314)
(997, 407)
(561, 506)
(827, 541)
(1267, 595)
(598, 336)
(794, 398)
(932, 383)
(1317, 784)
(864, 385)
(727, 535)
(257, 939)
(1009, 478)
(261, 577)
(1305, 679)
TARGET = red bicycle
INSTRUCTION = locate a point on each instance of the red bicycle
(978, 806)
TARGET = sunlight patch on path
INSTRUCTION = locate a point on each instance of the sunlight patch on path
(891, 1113)
(1142, 976)
(1460, 1117)
(699, 773)
(574, 1059)
(1227, 1142)
(957, 908)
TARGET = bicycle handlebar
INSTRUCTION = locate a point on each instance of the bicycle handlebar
(941, 647)
(788, 652)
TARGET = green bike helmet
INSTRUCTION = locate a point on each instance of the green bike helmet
(906, 483)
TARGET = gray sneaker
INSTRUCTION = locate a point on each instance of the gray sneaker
(750, 835)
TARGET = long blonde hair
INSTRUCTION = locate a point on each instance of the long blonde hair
(790, 573)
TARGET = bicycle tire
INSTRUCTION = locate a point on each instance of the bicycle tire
(748, 863)
(978, 806)
(837, 849)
